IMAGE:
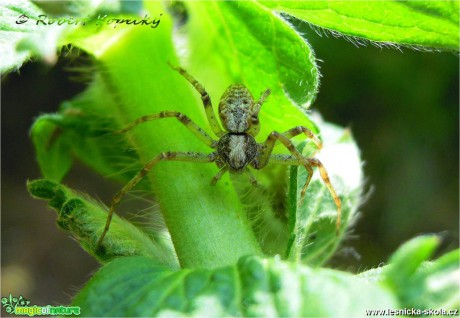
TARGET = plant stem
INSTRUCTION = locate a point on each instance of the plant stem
(208, 225)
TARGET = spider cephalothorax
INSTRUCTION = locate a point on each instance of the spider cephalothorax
(236, 149)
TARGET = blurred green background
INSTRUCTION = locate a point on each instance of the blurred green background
(402, 108)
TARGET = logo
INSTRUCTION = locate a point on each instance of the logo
(21, 306)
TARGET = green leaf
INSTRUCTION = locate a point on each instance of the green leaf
(422, 284)
(21, 38)
(419, 283)
(439, 281)
(85, 219)
(254, 287)
(312, 222)
(52, 153)
(432, 24)
(79, 130)
(33, 30)
(257, 48)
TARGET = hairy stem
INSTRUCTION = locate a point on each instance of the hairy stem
(207, 223)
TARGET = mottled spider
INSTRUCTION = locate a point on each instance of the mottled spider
(236, 147)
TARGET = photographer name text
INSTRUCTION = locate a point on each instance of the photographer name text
(100, 20)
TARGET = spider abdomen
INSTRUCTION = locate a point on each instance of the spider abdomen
(237, 150)
(235, 108)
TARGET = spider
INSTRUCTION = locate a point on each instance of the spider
(236, 148)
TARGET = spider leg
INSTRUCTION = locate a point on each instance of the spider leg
(267, 147)
(219, 175)
(258, 104)
(301, 129)
(252, 179)
(290, 160)
(269, 144)
(204, 97)
(322, 171)
(255, 125)
(185, 120)
(295, 159)
(165, 156)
